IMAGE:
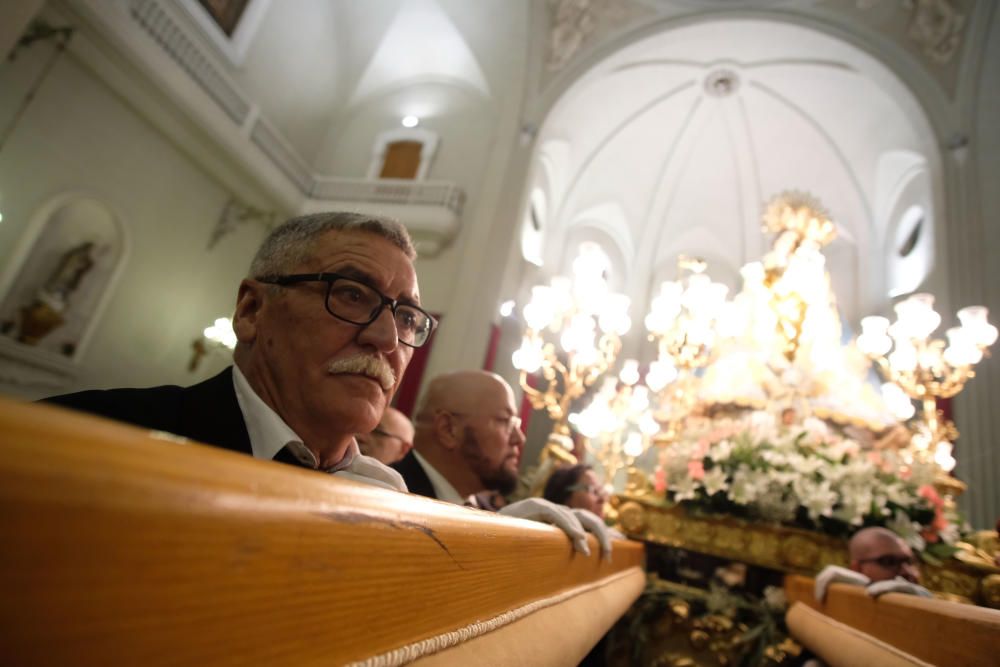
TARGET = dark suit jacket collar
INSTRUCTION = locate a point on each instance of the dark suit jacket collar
(413, 474)
(210, 412)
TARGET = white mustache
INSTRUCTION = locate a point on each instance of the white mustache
(365, 364)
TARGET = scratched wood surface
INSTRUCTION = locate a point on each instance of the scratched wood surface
(123, 548)
(937, 631)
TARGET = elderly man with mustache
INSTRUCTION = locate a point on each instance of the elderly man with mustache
(326, 321)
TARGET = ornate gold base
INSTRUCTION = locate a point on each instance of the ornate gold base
(780, 547)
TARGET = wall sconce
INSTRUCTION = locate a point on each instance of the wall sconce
(220, 336)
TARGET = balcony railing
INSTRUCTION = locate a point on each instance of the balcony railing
(390, 191)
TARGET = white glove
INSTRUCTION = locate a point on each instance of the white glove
(370, 470)
(539, 509)
(594, 524)
(897, 585)
(836, 574)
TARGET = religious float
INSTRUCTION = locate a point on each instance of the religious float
(757, 440)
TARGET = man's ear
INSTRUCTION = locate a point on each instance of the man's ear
(447, 429)
(249, 303)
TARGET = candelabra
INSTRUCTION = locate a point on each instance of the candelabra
(928, 369)
(610, 421)
(683, 320)
(589, 321)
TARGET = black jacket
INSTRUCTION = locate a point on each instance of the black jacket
(413, 474)
(207, 412)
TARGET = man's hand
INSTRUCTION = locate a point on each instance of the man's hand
(372, 471)
(539, 509)
(897, 585)
(836, 574)
(594, 524)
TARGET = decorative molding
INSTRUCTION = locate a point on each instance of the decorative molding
(237, 213)
(235, 47)
(573, 22)
(151, 16)
(721, 83)
(936, 27)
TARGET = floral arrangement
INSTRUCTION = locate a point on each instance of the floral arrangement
(806, 475)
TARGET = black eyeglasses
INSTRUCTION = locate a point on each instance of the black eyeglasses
(352, 301)
(891, 562)
(510, 424)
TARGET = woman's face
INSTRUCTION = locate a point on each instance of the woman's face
(589, 494)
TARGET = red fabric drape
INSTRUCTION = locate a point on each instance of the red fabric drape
(491, 347)
(406, 397)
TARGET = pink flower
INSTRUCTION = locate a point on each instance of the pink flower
(930, 493)
(696, 469)
(929, 536)
(660, 480)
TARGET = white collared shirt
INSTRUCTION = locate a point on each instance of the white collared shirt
(269, 433)
(442, 487)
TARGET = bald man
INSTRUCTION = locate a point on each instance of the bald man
(468, 442)
(390, 440)
(880, 555)
(467, 439)
(880, 561)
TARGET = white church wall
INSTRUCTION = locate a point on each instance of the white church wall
(976, 411)
(77, 136)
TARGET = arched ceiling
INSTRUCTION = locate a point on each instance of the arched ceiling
(690, 131)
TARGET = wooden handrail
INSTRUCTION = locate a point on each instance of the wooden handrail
(937, 631)
(124, 547)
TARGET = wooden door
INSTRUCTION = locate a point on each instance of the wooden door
(402, 160)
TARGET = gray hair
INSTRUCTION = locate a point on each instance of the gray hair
(290, 244)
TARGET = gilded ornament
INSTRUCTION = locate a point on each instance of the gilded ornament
(991, 590)
(799, 552)
(699, 639)
(718, 624)
(632, 518)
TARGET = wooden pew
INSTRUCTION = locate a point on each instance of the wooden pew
(121, 547)
(851, 628)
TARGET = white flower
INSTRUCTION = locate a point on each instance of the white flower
(804, 465)
(949, 534)
(714, 481)
(899, 494)
(907, 529)
(774, 598)
(774, 458)
(684, 489)
(815, 428)
(746, 486)
(855, 502)
(818, 499)
(763, 425)
(721, 451)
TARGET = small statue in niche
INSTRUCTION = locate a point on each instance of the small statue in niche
(45, 313)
